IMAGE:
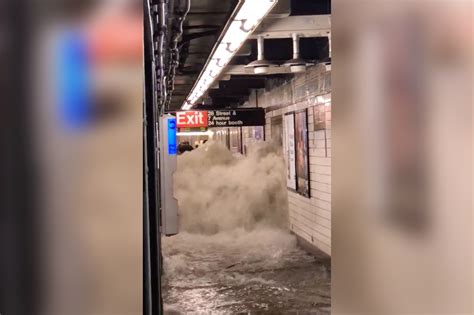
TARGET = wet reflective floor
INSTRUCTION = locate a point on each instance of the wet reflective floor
(262, 271)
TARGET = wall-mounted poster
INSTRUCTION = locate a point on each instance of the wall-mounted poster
(276, 131)
(258, 132)
(235, 138)
(302, 160)
(290, 150)
(319, 114)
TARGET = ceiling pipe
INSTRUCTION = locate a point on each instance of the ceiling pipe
(180, 11)
(297, 64)
(260, 66)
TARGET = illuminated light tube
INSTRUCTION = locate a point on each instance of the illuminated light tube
(186, 107)
(244, 20)
(195, 133)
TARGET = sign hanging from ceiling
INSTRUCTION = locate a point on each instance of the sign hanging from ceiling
(221, 118)
(191, 119)
(237, 117)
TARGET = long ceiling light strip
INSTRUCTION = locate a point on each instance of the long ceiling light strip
(244, 20)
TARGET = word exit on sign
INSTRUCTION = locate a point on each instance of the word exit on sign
(191, 119)
(221, 118)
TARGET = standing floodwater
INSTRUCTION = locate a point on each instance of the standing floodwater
(243, 271)
(234, 252)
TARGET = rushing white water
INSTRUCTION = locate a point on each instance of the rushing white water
(234, 252)
(242, 271)
(261, 247)
(218, 191)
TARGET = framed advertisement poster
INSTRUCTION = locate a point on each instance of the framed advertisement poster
(277, 129)
(290, 150)
(319, 117)
(302, 153)
(235, 138)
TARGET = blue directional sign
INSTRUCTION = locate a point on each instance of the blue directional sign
(172, 147)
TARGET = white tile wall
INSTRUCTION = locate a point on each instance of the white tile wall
(310, 218)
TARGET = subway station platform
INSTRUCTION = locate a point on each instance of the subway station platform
(241, 272)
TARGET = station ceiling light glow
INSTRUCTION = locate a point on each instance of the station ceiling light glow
(245, 18)
(195, 133)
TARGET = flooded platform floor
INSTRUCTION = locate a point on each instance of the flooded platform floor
(262, 271)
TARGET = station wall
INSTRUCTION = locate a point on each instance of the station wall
(310, 218)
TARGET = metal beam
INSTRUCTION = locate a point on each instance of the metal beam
(303, 25)
(241, 70)
(152, 301)
(184, 79)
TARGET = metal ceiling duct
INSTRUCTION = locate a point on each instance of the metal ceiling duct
(297, 64)
(260, 66)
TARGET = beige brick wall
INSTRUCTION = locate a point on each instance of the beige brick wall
(310, 218)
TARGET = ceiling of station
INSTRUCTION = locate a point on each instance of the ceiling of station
(202, 27)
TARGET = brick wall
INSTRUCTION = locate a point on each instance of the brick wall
(310, 218)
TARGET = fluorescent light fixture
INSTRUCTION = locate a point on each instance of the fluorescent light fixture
(244, 20)
(260, 65)
(186, 107)
(195, 133)
(297, 64)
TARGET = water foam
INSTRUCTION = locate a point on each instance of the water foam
(218, 191)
